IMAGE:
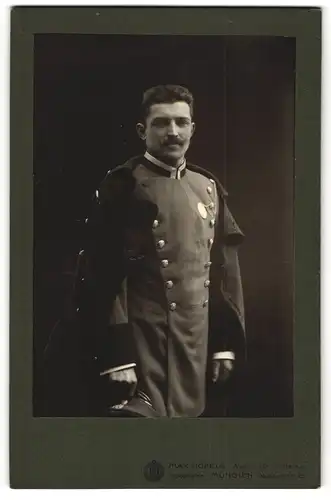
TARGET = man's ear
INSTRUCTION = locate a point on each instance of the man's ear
(141, 131)
(193, 128)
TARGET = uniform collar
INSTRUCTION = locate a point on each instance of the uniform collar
(172, 172)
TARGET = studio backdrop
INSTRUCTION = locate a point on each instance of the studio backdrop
(87, 93)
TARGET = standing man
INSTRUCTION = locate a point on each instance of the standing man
(158, 285)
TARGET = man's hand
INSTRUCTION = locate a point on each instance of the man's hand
(221, 370)
(123, 384)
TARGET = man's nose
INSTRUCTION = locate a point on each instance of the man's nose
(172, 128)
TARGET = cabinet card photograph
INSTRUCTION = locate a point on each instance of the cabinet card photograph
(167, 214)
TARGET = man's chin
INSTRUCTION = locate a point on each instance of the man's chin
(173, 154)
(178, 153)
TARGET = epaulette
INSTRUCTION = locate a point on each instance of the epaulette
(203, 171)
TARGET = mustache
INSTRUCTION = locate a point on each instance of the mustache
(170, 142)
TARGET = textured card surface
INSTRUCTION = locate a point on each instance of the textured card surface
(235, 175)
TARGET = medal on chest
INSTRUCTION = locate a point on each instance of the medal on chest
(202, 210)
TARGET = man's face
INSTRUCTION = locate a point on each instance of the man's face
(168, 131)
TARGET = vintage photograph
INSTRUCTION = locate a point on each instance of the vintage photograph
(163, 188)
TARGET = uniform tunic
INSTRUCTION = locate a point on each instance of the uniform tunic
(161, 243)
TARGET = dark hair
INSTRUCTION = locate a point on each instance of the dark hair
(165, 94)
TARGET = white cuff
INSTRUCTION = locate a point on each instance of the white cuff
(118, 368)
(224, 355)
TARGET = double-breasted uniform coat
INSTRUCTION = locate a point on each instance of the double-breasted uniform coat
(158, 282)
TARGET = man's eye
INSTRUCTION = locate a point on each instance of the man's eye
(183, 122)
(160, 123)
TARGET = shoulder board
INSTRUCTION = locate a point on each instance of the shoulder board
(203, 171)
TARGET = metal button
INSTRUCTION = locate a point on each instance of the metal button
(82, 279)
(210, 241)
(155, 224)
(212, 181)
(212, 222)
(81, 252)
(160, 244)
(169, 284)
(208, 264)
(97, 194)
(77, 309)
(86, 220)
(164, 263)
(209, 190)
(205, 303)
(207, 283)
(172, 306)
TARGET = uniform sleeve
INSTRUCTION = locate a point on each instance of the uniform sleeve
(102, 272)
(227, 324)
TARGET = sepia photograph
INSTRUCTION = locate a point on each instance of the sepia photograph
(165, 246)
(163, 243)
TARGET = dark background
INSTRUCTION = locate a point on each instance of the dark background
(87, 94)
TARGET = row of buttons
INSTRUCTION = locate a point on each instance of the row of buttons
(169, 284)
(173, 305)
(210, 240)
(161, 243)
(164, 262)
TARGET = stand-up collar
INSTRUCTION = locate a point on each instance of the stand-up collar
(172, 172)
